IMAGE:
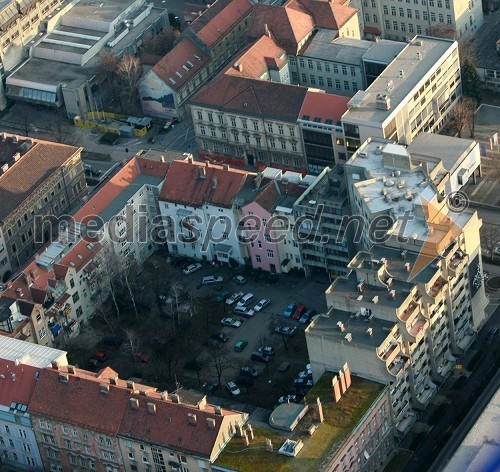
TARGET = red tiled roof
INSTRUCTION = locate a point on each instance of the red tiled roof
(152, 168)
(322, 105)
(289, 25)
(185, 186)
(26, 307)
(268, 196)
(252, 96)
(327, 14)
(42, 160)
(171, 64)
(257, 58)
(80, 254)
(19, 387)
(225, 20)
(60, 271)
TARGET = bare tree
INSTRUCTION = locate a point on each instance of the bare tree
(132, 340)
(490, 238)
(219, 362)
(107, 317)
(129, 71)
(154, 270)
(170, 354)
(160, 43)
(462, 116)
(445, 31)
(109, 281)
(129, 273)
(108, 65)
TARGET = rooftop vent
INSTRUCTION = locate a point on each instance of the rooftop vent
(390, 280)
(401, 74)
(151, 408)
(104, 388)
(363, 154)
(359, 298)
(130, 385)
(383, 102)
(375, 299)
(211, 423)
(134, 403)
(348, 337)
(392, 293)
(192, 419)
(403, 254)
(418, 42)
(63, 377)
(419, 56)
(369, 332)
(340, 325)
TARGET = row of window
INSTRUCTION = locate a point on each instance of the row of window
(432, 3)
(329, 82)
(327, 67)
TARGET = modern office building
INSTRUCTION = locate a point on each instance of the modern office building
(414, 93)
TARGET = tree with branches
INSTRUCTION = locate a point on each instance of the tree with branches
(463, 116)
(445, 31)
(490, 238)
(107, 64)
(129, 71)
(471, 82)
(159, 43)
(219, 362)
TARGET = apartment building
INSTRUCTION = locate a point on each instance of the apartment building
(414, 93)
(394, 20)
(321, 130)
(123, 426)
(324, 244)
(21, 21)
(198, 213)
(18, 446)
(25, 320)
(249, 122)
(202, 50)
(38, 178)
(62, 58)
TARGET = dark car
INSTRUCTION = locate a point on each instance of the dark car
(98, 358)
(286, 330)
(301, 309)
(267, 351)
(112, 340)
(210, 388)
(305, 382)
(220, 336)
(307, 316)
(249, 371)
(290, 399)
(244, 380)
(259, 357)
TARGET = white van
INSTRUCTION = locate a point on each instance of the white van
(246, 300)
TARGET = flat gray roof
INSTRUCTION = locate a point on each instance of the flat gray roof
(61, 47)
(326, 326)
(30, 353)
(74, 29)
(483, 43)
(399, 88)
(448, 149)
(71, 39)
(383, 50)
(101, 10)
(343, 50)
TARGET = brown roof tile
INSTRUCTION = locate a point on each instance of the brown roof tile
(18, 388)
(326, 14)
(252, 96)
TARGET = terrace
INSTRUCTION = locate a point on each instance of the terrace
(339, 420)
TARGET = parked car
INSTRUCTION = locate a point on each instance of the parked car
(191, 268)
(211, 279)
(244, 380)
(220, 336)
(234, 298)
(231, 322)
(240, 280)
(286, 330)
(240, 345)
(259, 357)
(249, 371)
(303, 382)
(246, 300)
(112, 340)
(242, 311)
(290, 309)
(267, 350)
(301, 309)
(222, 296)
(98, 358)
(265, 302)
(142, 357)
(290, 399)
(305, 374)
(210, 388)
(307, 316)
(233, 388)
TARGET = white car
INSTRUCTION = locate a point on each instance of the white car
(265, 302)
(233, 388)
(231, 322)
(192, 268)
(234, 298)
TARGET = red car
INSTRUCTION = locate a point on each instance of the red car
(301, 309)
(143, 357)
(98, 358)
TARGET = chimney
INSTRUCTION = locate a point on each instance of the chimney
(250, 431)
(162, 159)
(246, 442)
(203, 173)
(71, 369)
(104, 388)
(19, 292)
(218, 410)
(407, 267)
(151, 408)
(269, 445)
(113, 380)
(343, 388)
(164, 396)
(375, 299)
(267, 32)
(336, 389)
(392, 293)
(190, 159)
(202, 403)
(134, 403)
(320, 410)
(207, 164)
(5, 168)
(143, 392)
(55, 365)
(130, 385)
(215, 181)
(240, 430)
(17, 156)
(225, 166)
(63, 377)
(369, 332)
(340, 325)
(192, 419)
(15, 138)
(347, 375)
(210, 423)
(175, 398)
(258, 180)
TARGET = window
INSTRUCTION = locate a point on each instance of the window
(310, 64)
(393, 11)
(291, 130)
(258, 141)
(233, 122)
(353, 71)
(236, 137)
(410, 28)
(419, 29)
(367, 17)
(346, 85)
(448, 19)
(335, 69)
(272, 142)
(395, 26)
(200, 115)
(41, 333)
(321, 81)
(270, 253)
(202, 130)
(408, 13)
(433, 16)
(275, 158)
(213, 133)
(329, 82)
(312, 79)
(281, 129)
(270, 127)
(210, 117)
(216, 147)
(401, 12)
(417, 15)
(255, 125)
(221, 119)
(304, 78)
(375, 19)
(244, 123)
(226, 149)
(223, 134)
(283, 144)
(403, 27)
(387, 24)
(441, 18)
(344, 70)
(258, 258)
(204, 143)
(294, 146)
(386, 9)
(327, 67)
(318, 65)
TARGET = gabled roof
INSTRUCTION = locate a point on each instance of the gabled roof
(199, 183)
(257, 58)
(80, 254)
(326, 14)
(320, 107)
(289, 25)
(252, 97)
(277, 193)
(216, 22)
(184, 55)
(18, 383)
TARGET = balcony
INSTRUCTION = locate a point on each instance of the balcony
(456, 263)
(391, 351)
(417, 327)
(445, 366)
(397, 365)
(426, 393)
(407, 420)
(436, 288)
(409, 312)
